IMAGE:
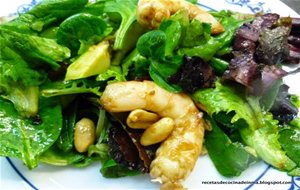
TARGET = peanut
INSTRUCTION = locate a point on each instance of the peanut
(84, 134)
(141, 119)
(157, 132)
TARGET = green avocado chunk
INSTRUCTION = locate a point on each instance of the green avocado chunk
(93, 62)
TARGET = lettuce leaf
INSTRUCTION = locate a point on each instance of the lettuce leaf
(262, 131)
(27, 139)
(230, 158)
(226, 99)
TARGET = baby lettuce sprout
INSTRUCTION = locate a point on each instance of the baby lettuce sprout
(152, 44)
(93, 62)
(219, 65)
(62, 153)
(211, 45)
(295, 100)
(65, 141)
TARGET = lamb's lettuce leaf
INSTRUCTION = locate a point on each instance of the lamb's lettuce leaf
(82, 30)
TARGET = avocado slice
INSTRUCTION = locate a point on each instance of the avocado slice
(93, 62)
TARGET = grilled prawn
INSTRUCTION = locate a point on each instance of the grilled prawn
(150, 13)
(177, 155)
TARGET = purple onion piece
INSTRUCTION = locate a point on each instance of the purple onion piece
(294, 40)
(295, 26)
(242, 69)
(270, 74)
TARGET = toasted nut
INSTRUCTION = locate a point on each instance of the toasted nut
(84, 134)
(157, 132)
(141, 119)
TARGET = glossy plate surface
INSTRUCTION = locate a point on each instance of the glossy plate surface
(14, 175)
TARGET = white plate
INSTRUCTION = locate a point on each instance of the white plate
(14, 175)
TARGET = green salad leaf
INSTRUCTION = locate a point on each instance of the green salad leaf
(79, 86)
(158, 47)
(230, 158)
(19, 83)
(35, 49)
(261, 132)
(27, 139)
(226, 99)
(127, 10)
(82, 30)
(50, 11)
(111, 169)
(55, 156)
(289, 138)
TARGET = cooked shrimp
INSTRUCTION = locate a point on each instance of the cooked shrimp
(150, 13)
(177, 155)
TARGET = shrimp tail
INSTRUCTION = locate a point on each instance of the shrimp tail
(150, 13)
(177, 156)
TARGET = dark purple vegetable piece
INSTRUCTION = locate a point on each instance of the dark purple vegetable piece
(123, 150)
(294, 40)
(273, 45)
(283, 110)
(265, 21)
(242, 69)
(295, 26)
(246, 32)
(244, 45)
(257, 45)
(246, 37)
(194, 73)
(294, 54)
(125, 147)
(147, 154)
(268, 77)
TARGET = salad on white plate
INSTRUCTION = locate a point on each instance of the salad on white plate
(149, 94)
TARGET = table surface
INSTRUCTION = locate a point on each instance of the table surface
(294, 4)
